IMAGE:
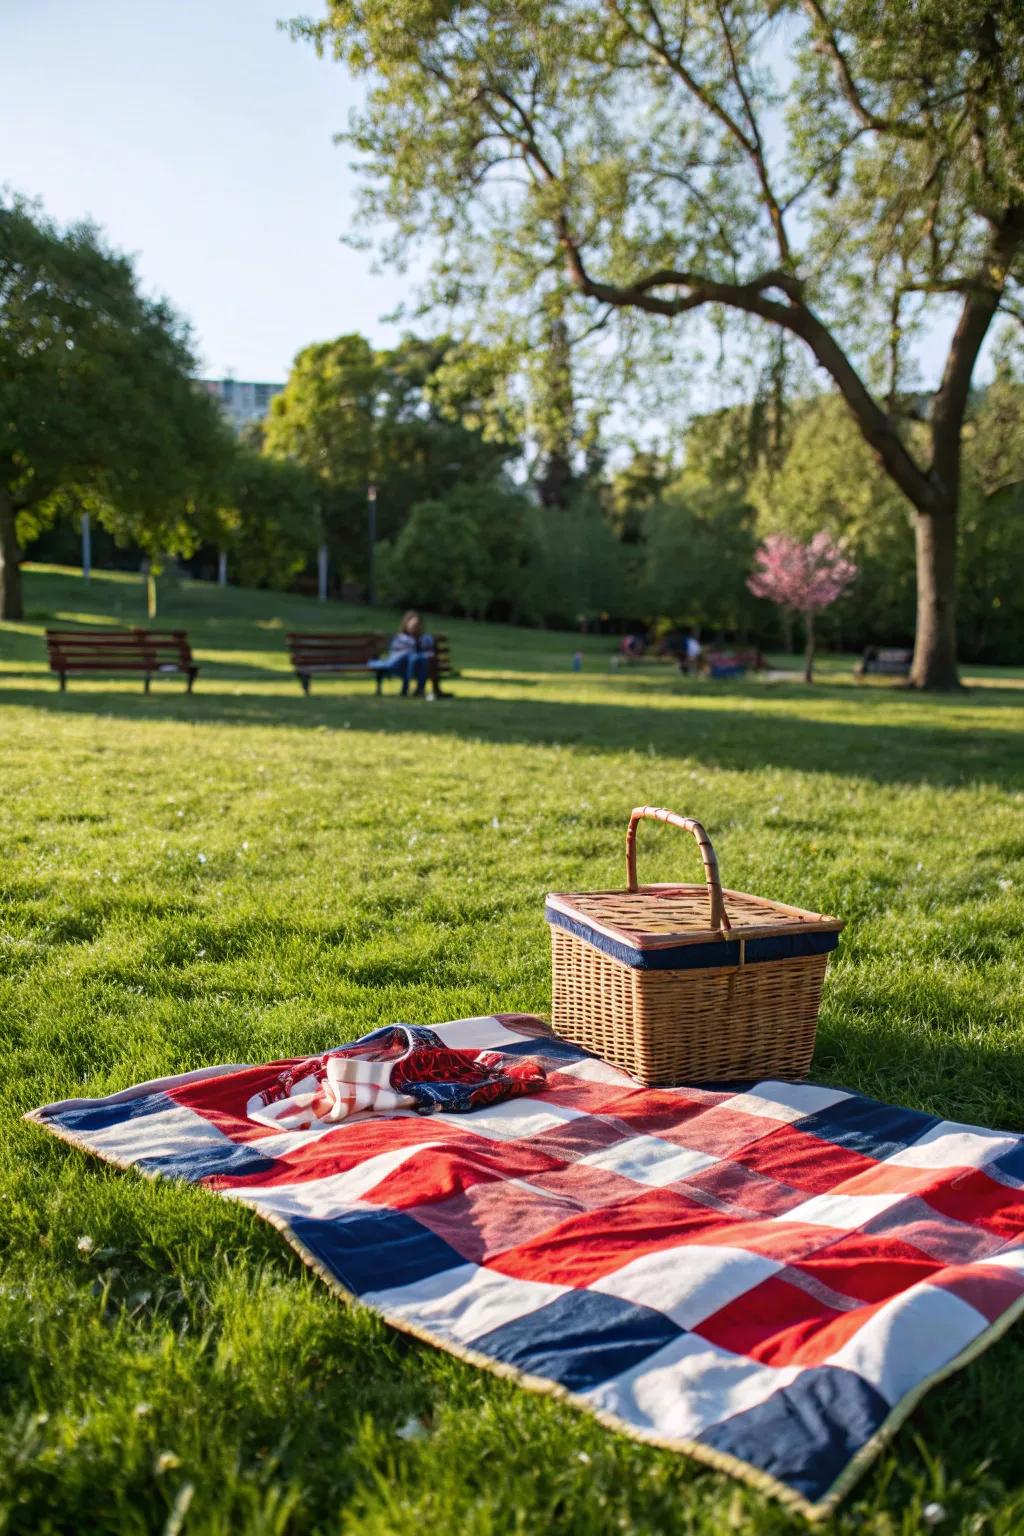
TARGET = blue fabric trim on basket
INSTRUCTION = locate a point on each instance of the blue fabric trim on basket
(694, 957)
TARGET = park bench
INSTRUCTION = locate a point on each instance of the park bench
(153, 652)
(885, 661)
(346, 653)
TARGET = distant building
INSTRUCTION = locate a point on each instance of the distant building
(241, 400)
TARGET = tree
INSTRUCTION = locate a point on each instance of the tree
(577, 567)
(324, 420)
(466, 552)
(991, 610)
(268, 524)
(631, 490)
(552, 392)
(437, 426)
(97, 407)
(828, 479)
(805, 578)
(992, 543)
(636, 152)
(352, 416)
(698, 549)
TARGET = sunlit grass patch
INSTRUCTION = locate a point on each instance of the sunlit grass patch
(249, 873)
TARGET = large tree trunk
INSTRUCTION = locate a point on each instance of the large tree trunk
(10, 562)
(934, 665)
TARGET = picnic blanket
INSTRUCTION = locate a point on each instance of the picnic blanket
(767, 1277)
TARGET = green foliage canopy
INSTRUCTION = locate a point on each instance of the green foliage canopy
(828, 479)
(403, 419)
(578, 569)
(97, 407)
(466, 552)
(824, 476)
(835, 169)
(698, 551)
(268, 523)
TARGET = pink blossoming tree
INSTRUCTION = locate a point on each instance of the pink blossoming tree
(802, 578)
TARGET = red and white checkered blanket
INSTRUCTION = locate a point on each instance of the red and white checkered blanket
(767, 1278)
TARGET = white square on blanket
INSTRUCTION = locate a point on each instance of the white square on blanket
(687, 1387)
(464, 1303)
(648, 1160)
(784, 1101)
(904, 1343)
(482, 1034)
(689, 1282)
(590, 1070)
(515, 1120)
(172, 1132)
(845, 1212)
(1008, 1258)
(951, 1145)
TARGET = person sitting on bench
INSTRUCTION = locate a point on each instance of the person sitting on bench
(413, 655)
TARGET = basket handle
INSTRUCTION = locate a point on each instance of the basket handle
(719, 916)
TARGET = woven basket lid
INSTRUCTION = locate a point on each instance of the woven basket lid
(668, 916)
(661, 916)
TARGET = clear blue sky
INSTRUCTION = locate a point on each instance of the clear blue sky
(200, 137)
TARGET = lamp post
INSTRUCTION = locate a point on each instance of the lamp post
(371, 519)
(86, 547)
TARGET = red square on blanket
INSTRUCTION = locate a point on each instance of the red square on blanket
(486, 1219)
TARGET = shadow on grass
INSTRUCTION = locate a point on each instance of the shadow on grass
(947, 1068)
(731, 738)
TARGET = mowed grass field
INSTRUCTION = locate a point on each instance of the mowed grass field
(248, 874)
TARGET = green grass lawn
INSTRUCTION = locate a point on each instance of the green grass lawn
(248, 873)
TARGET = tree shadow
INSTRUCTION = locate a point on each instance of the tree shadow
(733, 738)
(972, 1075)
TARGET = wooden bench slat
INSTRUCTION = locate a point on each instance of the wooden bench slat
(124, 665)
(109, 648)
(154, 653)
(118, 634)
(343, 653)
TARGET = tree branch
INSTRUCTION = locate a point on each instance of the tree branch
(966, 284)
(750, 142)
(598, 325)
(755, 144)
(1004, 485)
(844, 75)
(794, 316)
(666, 173)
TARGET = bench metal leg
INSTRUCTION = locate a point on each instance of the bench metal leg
(379, 679)
(191, 680)
(63, 682)
(145, 685)
(304, 679)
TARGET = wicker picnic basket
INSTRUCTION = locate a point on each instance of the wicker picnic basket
(688, 983)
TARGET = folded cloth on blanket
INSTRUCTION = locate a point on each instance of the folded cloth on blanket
(767, 1276)
(402, 1066)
